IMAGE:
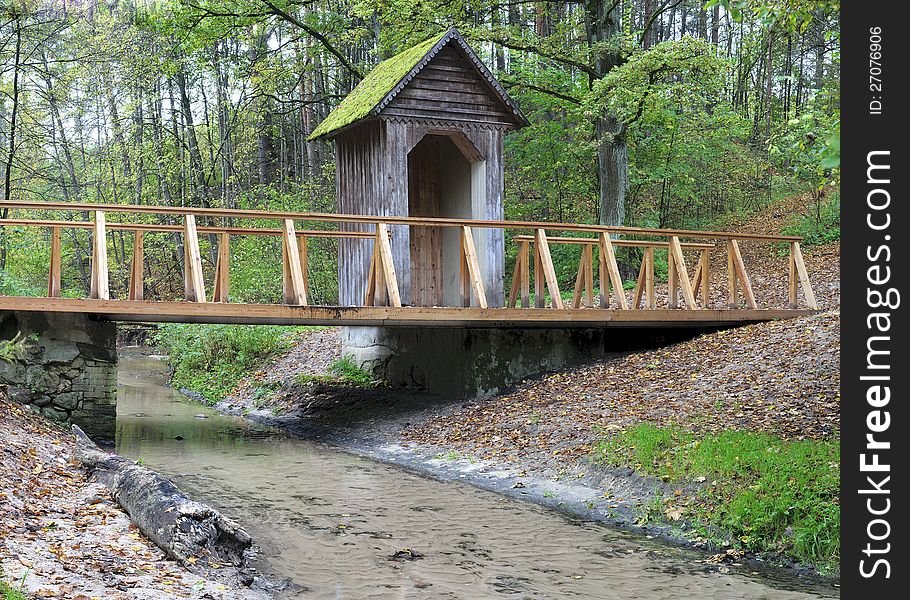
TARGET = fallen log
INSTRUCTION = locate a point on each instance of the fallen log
(193, 533)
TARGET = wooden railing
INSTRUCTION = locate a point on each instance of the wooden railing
(382, 281)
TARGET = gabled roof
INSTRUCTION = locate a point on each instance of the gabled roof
(390, 76)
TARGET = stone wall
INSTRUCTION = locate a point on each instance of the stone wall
(70, 371)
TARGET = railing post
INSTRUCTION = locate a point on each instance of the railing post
(579, 282)
(672, 281)
(803, 276)
(100, 284)
(639, 285)
(292, 275)
(739, 269)
(549, 273)
(193, 284)
(705, 278)
(589, 275)
(732, 295)
(53, 278)
(137, 287)
(651, 302)
(793, 281)
(385, 265)
(524, 254)
(222, 290)
(609, 259)
(471, 270)
(682, 276)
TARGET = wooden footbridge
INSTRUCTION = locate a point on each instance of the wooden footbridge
(597, 301)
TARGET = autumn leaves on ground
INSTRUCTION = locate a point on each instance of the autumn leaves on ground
(63, 536)
(744, 421)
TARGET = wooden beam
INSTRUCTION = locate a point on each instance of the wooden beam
(639, 285)
(393, 220)
(223, 270)
(524, 251)
(292, 274)
(100, 283)
(304, 264)
(679, 261)
(540, 284)
(625, 243)
(194, 285)
(281, 314)
(588, 255)
(473, 266)
(740, 270)
(732, 292)
(579, 282)
(369, 297)
(546, 263)
(386, 265)
(609, 257)
(672, 282)
(705, 278)
(651, 301)
(516, 283)
(803, 276)
(603, 280)
(200, 229)
(53, 277)
(137, 269)
(793, 279)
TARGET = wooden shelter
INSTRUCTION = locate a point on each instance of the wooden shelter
(422, 136)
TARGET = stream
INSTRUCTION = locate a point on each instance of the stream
(341, 526)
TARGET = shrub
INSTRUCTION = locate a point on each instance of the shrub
(211, 359)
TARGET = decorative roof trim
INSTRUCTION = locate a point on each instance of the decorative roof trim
(453, 35)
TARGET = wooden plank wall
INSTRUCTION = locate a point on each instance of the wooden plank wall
(449, 88)
(372, 179)
(448, 97)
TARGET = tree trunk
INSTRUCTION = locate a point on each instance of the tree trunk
(613, 168)
(609, 132)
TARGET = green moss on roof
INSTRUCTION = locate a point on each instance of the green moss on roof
(373, 88)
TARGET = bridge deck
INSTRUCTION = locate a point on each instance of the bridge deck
(280, 314)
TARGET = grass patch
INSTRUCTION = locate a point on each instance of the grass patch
(820, 226)
(771, 494)
(7, 592)
(344, 370)
(211, 359)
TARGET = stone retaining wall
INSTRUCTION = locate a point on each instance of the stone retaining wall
(70, 371)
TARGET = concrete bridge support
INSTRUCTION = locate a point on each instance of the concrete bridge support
(70, 371)
(471, 363)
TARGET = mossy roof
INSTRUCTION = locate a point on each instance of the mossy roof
(368, 97)
(374, 87)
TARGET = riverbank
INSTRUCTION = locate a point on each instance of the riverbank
(625, 440)
(573, 440)
(62, 535)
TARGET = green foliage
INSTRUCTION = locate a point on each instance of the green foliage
(211, 359)
(675, 75)
(16, 348)
(345, 370)
(822, 226)
(772, 494)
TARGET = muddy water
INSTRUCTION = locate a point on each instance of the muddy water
(333, 523)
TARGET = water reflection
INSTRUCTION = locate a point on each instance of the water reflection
(345, 527)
